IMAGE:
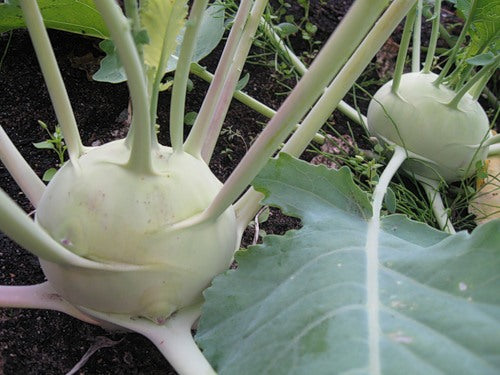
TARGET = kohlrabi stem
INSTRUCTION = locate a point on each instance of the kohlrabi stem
(119, 28)
(403, 50)
(178, 100)
(343, 107)
(173, 338)
(132, 13)
(431, 188)
(494, 150)
(39, 296)
(167, 47)
(23, 230)
(233, 75)
(247, 205)
(492, 141)
(195, 140)
(484, 71)
(429, 58)
(20, 170)
(457, 46)
(246, 99)
(53, 79)
(417, 39)
(480, 86)
(373, 261)
(330, 59)
(346, 77)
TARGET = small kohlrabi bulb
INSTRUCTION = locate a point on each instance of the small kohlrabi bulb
(442, 142)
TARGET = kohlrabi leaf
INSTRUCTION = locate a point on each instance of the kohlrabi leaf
(156, 16)
(209, 36)
(485, 25)
(297, 304)
(80, 17)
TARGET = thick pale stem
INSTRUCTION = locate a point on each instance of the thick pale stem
(429, 58)
(119, 28)
(337, 50)
(458, 45)
(403, 50)
(248, 100)
(494, 150)
(372, 261)
(20, 170)
(53, 79)
(173, 338)
(343, 107)
(417, 39)
(432, 190)
(194, 142)
(248, 203)
(40, 296)
(485, 71)
(28, 234)
(233, 75)
(177, 103)
(346, 77)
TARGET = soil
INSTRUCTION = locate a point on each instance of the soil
(47, 342)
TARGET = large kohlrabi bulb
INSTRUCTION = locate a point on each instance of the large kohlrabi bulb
(110, 214)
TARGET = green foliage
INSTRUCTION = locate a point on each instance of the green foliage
(80, 17)
(55, 142)
(211, 32)
(298, 303)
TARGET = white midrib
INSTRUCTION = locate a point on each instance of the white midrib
(372, 262)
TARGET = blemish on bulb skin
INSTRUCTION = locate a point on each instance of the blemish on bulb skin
(66, 242)
(462, 286)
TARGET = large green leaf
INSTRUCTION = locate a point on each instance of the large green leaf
(485, 25)
(209, 36)
(298, 304)
(79, 17)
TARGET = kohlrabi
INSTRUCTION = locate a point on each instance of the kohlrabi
(437, 119)
(133, 229)
(443, 141)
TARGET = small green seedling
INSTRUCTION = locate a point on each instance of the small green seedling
(56, 143)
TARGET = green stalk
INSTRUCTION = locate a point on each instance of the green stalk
(403, 50)
(343, 107)
(196, 138)
(432, 190)
(168, 45)
(246, 99)
(119, 28)
(247, 205)
(373, 262)
(53, 79)
(337, 50)
(417, 39)
(173, 338)
(480, 85)
(178, 100)
(39, 296)
(20, 170)
(233, 75)
(457, 46)
(24, 231)
(485, 71)
(429, 58)
(346, 77)
(494, 150)
(132, 13)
